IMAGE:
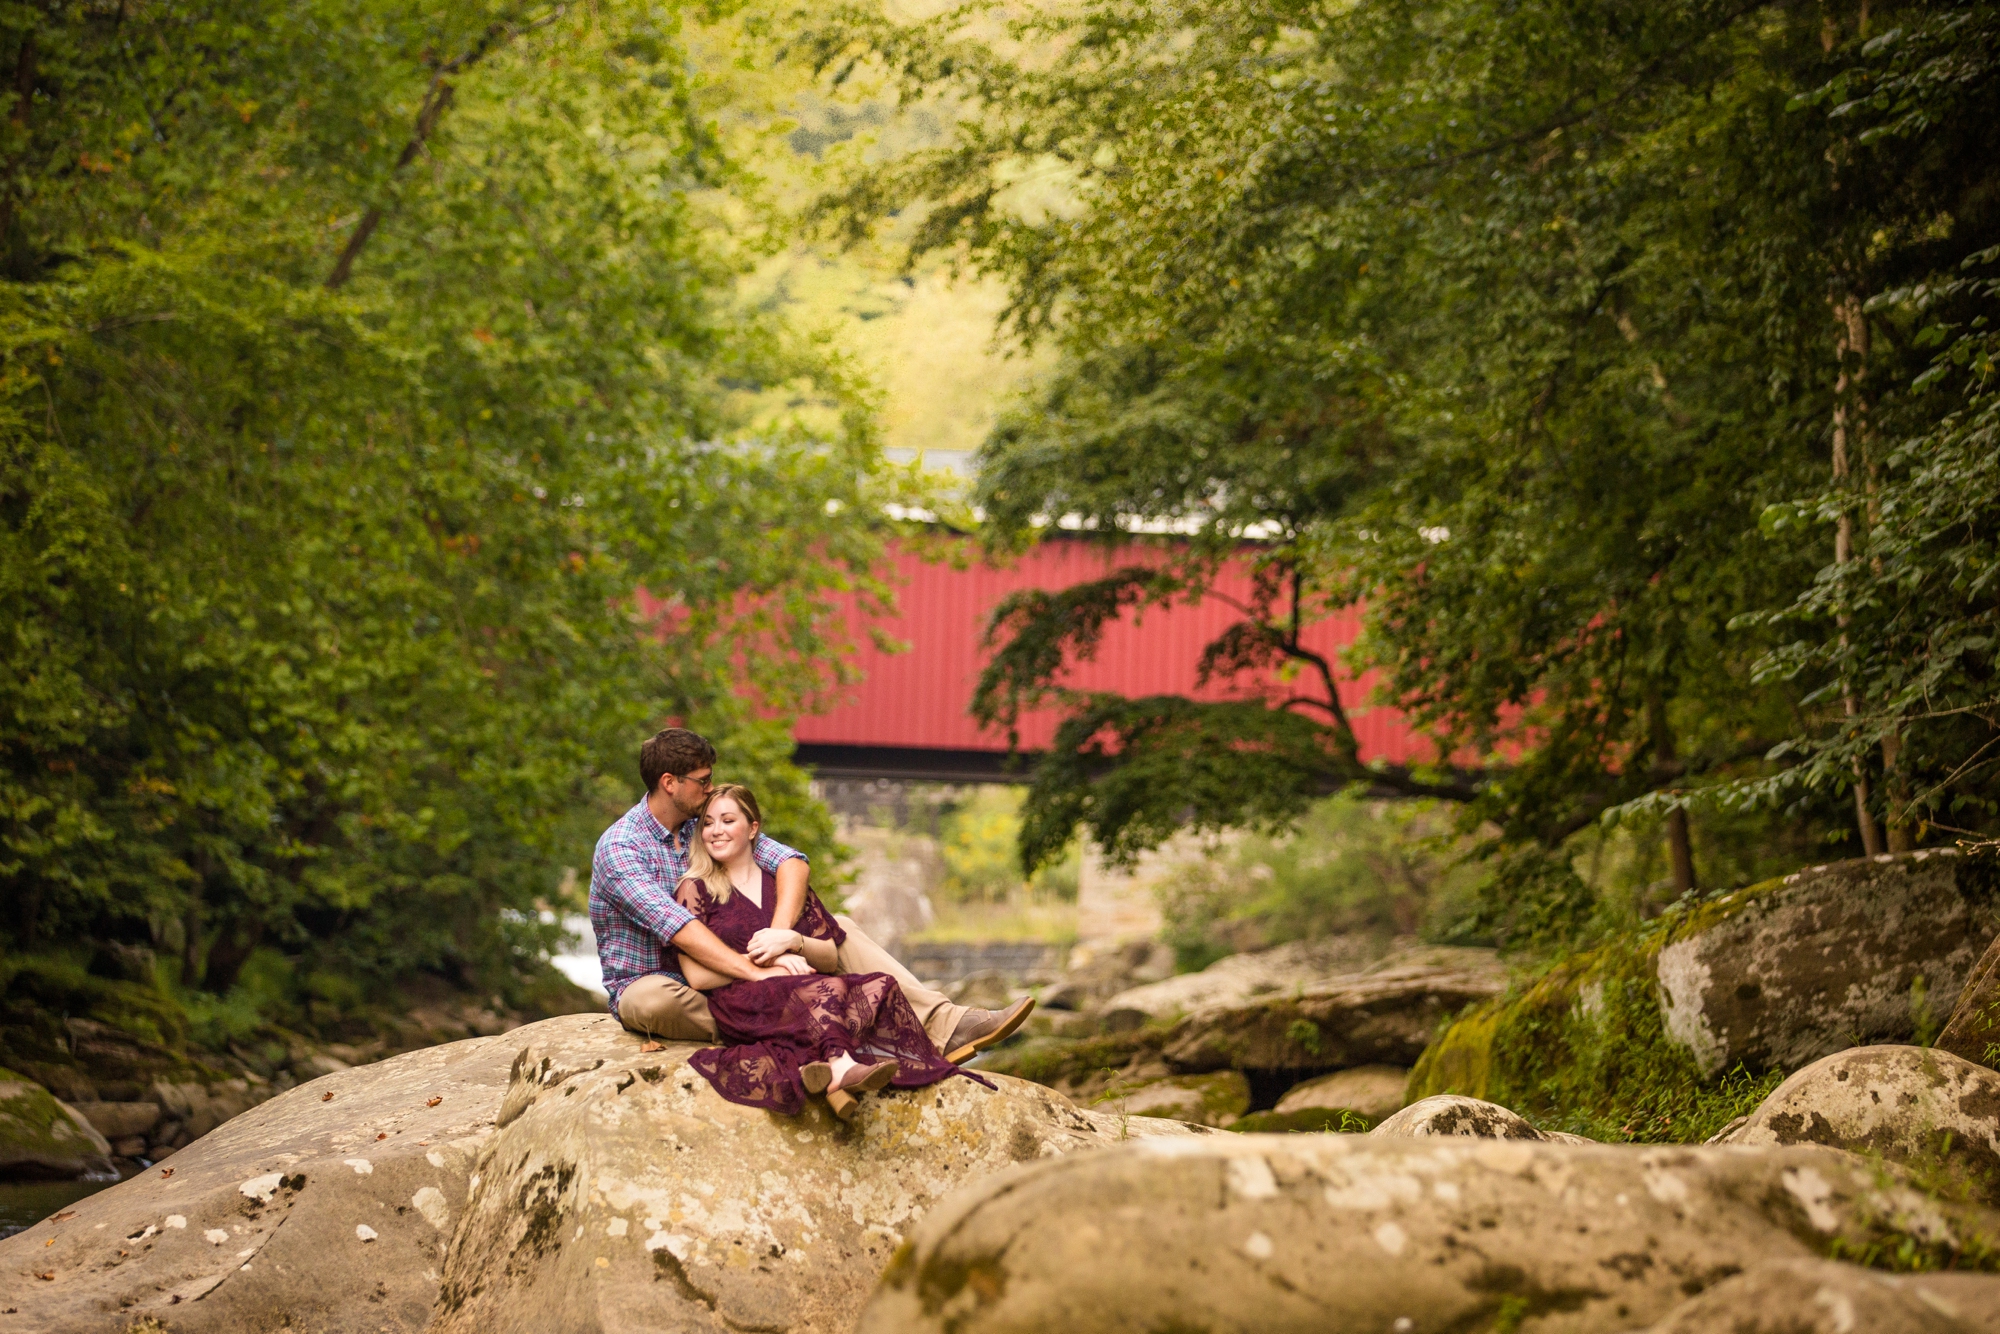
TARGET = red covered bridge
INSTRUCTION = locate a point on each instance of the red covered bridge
(910, 717)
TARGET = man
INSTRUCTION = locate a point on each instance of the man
(640, 861)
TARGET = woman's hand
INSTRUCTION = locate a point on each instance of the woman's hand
(772, 943)
(791, 965)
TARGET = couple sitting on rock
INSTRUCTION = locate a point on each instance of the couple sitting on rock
(708, 931)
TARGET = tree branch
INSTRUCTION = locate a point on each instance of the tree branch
(436, 98)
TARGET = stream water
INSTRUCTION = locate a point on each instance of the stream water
(26, 1203)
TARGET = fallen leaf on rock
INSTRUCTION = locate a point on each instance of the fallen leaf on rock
(383, 1135)
(67, 1213)
(326, 1097)
(433, 1102)
(166, 1171)
(49, 1277)
(653, 1046)
(50, 1242)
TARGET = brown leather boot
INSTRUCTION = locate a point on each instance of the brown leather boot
(980, 1029)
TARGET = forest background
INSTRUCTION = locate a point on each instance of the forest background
(361, 361)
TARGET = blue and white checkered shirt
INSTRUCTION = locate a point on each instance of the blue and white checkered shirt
(632, 906)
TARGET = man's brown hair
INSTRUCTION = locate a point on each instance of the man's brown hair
(675, 751)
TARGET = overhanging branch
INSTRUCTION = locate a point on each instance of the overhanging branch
(436, 98)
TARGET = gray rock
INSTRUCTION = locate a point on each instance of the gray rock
(1452, 1114)
(45, 1139)
(1064, 995)
(623, 1194)
(1827, 1297)
(1384, 1016)
(1218, 1099)
(1284, 1233)
(263, 1219)
(200, 1108)
(1121, 1019)
(1374, 1091)
(120, 1120)
(1238, 978)
(1973, 1031)
(1830, 958)
(1904, 1103)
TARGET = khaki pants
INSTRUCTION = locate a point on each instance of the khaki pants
(661, 1007)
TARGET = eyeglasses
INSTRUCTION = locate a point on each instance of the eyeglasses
(706, 782)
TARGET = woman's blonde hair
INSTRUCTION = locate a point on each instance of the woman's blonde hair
(702, 866)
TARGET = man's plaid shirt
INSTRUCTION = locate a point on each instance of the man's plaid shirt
(632, 906)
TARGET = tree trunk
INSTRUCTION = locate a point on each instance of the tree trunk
(1847, 424)
(1680, 844)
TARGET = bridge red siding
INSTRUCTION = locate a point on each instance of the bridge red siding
(922, 698)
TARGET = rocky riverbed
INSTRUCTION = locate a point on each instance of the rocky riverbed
(564, 1175)
(557, 1176)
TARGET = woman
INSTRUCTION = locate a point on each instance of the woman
(812, 1029)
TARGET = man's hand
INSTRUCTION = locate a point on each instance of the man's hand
(772, 944)
(699, 945)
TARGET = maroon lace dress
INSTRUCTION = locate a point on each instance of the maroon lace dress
(776, 1025)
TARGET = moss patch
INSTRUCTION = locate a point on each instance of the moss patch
(1584, 1048)
(38, 1139)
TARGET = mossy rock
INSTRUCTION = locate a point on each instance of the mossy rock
(1672, 1031)
(1217, 1099)
(1310, 1121)
(43, 1140)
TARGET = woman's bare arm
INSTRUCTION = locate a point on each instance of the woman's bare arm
(821, 954)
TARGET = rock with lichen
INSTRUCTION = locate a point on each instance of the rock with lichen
(1910, 1105)
(1281, 1233)
(1973, 1028)
(621, 1192)
(1827, 1297)
(559, 1176)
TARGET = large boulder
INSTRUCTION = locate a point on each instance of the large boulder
(1383, 1016)
(43, 1139)
(1973, 1030)
(325, 1208)
(1827, 1297)
(1771, 977)
(345, 1204)
(1908, 1104)
(1373, 1091)
(1237, 978)
(1342, 1232)
(622, 1193)
(1830, 956)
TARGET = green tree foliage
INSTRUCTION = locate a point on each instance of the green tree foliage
(979, 839)
(358, 362)
(1351, 867)
(1526, 325)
